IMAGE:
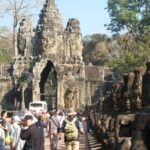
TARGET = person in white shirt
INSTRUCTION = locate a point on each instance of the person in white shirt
(2, 135)
(15, 133)
(61, 117)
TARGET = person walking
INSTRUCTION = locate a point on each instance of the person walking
(61, 117)
(41, 124)
(52, 128)
(4, 118)
(15, 129)
(72, 127)
(32, 134)
(2, 135)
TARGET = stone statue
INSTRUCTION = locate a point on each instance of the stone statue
(71, 98)
(119, 95)
(24, 38)
(21, 40)
(140, 135)
(126, 91)
(146, 87)
(136, 90)
(114, 97)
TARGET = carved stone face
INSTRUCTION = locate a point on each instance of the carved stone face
(138, 105)
(127, 105)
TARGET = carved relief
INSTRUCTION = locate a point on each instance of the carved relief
(71, 92)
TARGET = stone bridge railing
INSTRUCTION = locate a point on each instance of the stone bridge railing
(121, 119)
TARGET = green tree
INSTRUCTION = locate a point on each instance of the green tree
(130, 59)
(19, 9)
(94, 47)
(129, 15)
(6, 49)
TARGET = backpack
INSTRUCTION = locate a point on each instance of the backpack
(71, 131)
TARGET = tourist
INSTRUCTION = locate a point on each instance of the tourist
(41, 124)
(5, 126)
(32, 134)
(33, 114)
(2, 135)
(4, 119)
(17, 143)
(52, 129)
(61, 117)
(71, 127)
(89, 121)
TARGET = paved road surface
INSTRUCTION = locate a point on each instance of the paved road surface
(87, 142)
(61, 144)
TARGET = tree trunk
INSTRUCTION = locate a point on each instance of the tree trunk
(15, 41)
(15, 35)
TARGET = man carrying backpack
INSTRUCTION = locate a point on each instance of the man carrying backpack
(71, 127)
(52, 128)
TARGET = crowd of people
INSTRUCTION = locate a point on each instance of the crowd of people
(29, 133)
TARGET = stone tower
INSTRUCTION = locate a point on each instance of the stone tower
(49, 31)
(52, 68)
(61, 46)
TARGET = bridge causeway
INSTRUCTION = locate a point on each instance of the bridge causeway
(87, 142)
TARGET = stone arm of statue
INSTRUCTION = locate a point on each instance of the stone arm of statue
(117, 129)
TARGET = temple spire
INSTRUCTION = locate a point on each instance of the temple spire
(51, 2)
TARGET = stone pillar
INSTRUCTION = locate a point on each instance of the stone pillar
(60, 95)
(23, 99)
(36, 90)
(89, 93)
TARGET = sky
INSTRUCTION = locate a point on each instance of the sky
(91, 14)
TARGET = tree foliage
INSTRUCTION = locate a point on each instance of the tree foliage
(6, 49)
(122, 53)
(18, 9)
(95, 46)
(137, 55)
(129, 15)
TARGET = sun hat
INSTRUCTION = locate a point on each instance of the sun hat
(71, 112)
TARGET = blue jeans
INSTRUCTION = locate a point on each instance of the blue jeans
(1, 144)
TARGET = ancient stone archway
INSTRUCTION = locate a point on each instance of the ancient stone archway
(45, 83)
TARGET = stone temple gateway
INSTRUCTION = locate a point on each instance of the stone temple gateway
(50, 67)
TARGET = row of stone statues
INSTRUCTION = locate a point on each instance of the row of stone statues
(120, 120)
